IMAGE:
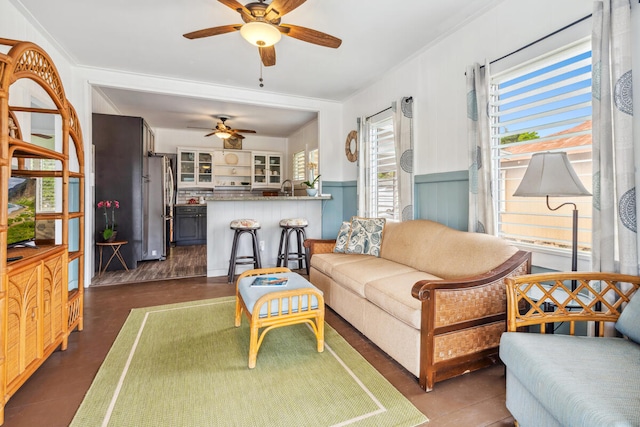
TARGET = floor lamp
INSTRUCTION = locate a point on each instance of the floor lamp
(550, 174)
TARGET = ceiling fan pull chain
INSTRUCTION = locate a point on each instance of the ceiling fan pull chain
(260, 79)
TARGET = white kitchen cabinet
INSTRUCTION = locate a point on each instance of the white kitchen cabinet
(266, 170)
(195, 168)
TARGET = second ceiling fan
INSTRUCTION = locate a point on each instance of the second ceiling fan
(262, 27)
(223, 131)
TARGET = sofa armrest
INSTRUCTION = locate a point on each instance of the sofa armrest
(478, 299)
(462, 320)
(319, 246)
(540, 299)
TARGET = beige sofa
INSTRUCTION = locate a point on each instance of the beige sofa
(434, 300)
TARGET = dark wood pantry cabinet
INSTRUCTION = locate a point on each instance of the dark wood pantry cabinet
(121, 151)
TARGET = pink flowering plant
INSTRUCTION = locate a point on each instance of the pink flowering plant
(109, 226)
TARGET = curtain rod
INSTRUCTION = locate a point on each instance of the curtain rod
(540, 39)
(379, 112)
(386, 109)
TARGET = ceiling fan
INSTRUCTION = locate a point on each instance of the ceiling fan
(223, 131)
(262, 27)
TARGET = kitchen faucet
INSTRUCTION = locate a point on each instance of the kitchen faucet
(282, 190)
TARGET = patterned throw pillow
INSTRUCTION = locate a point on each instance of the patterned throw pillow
(366, 236)
(343, 237)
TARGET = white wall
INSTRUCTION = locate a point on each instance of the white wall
(101, 104)
(304, 139)
(435, 77)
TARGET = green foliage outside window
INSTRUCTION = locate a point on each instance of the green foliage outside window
(22, 224)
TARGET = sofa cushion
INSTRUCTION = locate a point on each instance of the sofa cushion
(393, 295)
(582, 381)
(342, 238)
(435, 248)
(629, 321)
(365, 236)
(326, 262)
(355, 275)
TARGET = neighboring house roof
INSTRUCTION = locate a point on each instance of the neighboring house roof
(559, 143)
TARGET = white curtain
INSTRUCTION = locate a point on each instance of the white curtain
(615, 207)
(364, 168)
(403, 140)
(481, 216)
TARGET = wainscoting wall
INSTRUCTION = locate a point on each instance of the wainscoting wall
(342, 206)
(441, 197)
(444, 198)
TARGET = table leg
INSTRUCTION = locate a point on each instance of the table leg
(100, 265)
(119, 255)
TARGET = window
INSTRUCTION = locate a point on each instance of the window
(313, 164)
(298, 166)
(543, 105)
(380, 173)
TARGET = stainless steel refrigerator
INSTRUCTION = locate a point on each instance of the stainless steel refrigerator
(158, 198)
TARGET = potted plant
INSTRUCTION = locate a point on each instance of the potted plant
(109, 232)
(311, 186)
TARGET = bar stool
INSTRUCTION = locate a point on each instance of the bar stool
(297, 226)
(241, 226)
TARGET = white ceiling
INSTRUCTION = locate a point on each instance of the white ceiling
(145, 36)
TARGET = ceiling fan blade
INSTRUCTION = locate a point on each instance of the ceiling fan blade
(243, 131)
(311, 36)
(196, 127)
(268, 55)
(247, 17)
(235, 5)
(207, 32)
(212, 133)
(281, 7)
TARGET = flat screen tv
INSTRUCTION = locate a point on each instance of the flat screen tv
(22, 210)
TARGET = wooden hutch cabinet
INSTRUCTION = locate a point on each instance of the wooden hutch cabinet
(41, 287)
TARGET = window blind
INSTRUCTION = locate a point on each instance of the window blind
(543, 105)
(383, 174)
(298, 166)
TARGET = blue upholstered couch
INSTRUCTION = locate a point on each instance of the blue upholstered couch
(567, 380)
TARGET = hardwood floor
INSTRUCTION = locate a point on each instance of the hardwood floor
(52, 395)
(181, 262)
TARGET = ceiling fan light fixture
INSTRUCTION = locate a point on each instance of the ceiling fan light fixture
(260, 33)
(223, 135)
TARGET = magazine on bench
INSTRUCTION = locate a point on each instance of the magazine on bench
(270, 281)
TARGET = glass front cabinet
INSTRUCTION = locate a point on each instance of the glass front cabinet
(195, 168)
(266, 170)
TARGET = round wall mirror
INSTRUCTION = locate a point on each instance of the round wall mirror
(351, 146)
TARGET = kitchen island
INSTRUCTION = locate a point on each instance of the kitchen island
(269, 211)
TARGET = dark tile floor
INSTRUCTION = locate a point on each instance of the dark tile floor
(52, 395)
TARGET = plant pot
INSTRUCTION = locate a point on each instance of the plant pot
(112, 238)
(312, 192)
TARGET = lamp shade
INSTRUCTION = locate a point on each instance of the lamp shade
(260, 34)
(223, 135)
(550, 174)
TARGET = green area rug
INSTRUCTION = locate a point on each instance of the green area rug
(186, 365)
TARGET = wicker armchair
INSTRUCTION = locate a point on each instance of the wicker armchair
(542, 299)
(560, 379)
